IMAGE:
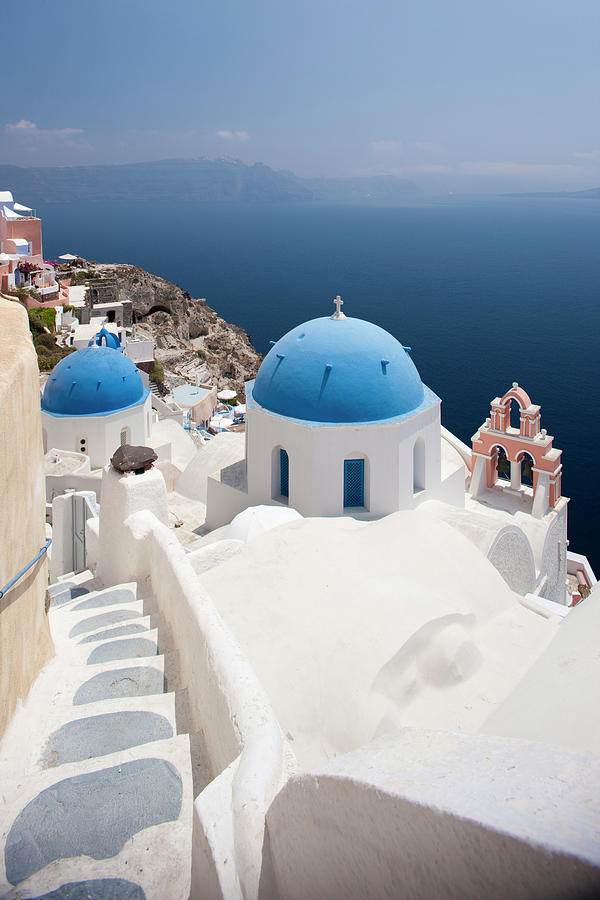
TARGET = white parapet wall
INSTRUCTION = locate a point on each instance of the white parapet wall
(430, 814)
(245, 751)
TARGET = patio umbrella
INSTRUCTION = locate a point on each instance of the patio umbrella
(68, 257)
(257, 520)
(220, 422)
(226, 395)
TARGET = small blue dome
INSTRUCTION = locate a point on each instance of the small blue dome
(108, 337)
(93, 381)
(338, 370)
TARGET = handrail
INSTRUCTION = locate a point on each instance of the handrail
(26, 568)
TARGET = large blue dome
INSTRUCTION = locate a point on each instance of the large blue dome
(93, 381)
(338, 370)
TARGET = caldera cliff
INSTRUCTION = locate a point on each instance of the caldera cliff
(190, 338)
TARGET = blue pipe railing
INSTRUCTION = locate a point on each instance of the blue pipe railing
(26, 568)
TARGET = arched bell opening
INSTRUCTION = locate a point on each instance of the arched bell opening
(527, 475)
(502, 464)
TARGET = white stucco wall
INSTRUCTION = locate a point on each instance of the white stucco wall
(102, 432)
(123, 495)
(505, 545)
(426, 814)
(170, 432)
(221, 451)
(556, 703)
(401, 621)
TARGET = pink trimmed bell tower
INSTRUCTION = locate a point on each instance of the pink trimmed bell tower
(529, 440)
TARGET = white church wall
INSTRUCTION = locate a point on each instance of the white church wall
(316, 462)
(98, 436)
(387, 821)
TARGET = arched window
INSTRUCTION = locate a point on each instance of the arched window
(280, 475)
(45, 439)
(124, 435)
(419, 466)
(354, 482)
(284, 473)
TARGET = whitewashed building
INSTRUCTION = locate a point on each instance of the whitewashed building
(93, 402)
(338, 422)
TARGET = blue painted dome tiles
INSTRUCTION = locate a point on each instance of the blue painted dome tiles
(94, 381)
(338, 370)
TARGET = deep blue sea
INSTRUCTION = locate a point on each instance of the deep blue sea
(486, 292)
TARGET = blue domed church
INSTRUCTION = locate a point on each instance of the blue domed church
(338, 422)
(95, 400)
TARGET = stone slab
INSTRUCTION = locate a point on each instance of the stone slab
(63, 821)
(103, 734)
(92, 623)
(96, 889)
(127, 682)
(117, 631)
(106, 598)
(127, 648)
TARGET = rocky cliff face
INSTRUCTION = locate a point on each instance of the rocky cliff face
(190, 338)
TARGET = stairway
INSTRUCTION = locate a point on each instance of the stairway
(96, 786)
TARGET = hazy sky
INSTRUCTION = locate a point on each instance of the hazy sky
(458, 95)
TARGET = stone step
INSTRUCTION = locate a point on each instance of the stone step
(135, 677)
(125, 816)
(80, 586)
(97, 790)
(109, 645)
(98, 612)
(33, 749)
(72, 596)
(99, 725)
(137, 625)
(71, 586)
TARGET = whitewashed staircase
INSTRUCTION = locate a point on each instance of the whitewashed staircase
(96, 784)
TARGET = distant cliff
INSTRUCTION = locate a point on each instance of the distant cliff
(190, 338)
(591, 194)
(197, 180)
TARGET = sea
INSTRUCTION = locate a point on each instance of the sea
(485, 291)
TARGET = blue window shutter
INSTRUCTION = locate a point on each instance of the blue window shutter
(284, 473)
(354, 482)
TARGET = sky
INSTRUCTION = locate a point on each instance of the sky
(456, 95)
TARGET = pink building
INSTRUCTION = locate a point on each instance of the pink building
(21, 256)
(500, 449)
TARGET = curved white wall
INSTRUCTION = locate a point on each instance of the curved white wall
(428, 814)
(316, 462)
